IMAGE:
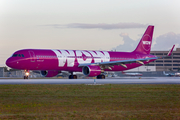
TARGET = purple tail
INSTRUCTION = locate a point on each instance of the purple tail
(144, 45)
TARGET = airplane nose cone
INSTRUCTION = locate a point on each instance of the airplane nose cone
(9, 62)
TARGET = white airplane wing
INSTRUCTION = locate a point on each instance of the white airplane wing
(121, 62)
(108, 65)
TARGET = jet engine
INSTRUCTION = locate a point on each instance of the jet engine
(91, 71)
(50, 73)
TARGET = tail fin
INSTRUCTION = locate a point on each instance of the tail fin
(144, 45)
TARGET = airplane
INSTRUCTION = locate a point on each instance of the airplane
(168, 74)
(50, 62)
(172, 74)
(131, 74)
(177, 74)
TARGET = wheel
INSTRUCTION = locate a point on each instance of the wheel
(70, 76)
(101, 77)
(74, 76)
(25, 77)
(98, 77)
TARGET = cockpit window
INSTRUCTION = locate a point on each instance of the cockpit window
(18, 55)
(15, 55)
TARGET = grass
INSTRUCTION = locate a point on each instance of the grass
(90, 102)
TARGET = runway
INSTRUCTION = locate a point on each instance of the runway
(125, 80)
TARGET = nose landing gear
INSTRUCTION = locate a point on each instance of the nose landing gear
(26, 76)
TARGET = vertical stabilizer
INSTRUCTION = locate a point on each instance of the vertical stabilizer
(144, 45)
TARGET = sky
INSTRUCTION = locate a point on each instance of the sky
(86, 24)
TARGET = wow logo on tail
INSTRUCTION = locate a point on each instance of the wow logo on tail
(146, 40)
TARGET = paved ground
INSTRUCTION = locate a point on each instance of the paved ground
(124, 80)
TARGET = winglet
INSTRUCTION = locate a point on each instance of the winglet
(169, 53)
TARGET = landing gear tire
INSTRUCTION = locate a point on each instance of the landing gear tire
(101, 77)
(25, 77)
(72, 76)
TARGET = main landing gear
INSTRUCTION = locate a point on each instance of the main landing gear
(75, 76)
(26, 76)
(101, 76)
(72, 76)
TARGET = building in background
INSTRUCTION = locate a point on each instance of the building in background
(171, 63)
(1, 71)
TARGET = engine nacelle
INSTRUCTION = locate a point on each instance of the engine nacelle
(49, 73)
(91, 71)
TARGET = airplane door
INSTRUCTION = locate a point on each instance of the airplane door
(31, 53)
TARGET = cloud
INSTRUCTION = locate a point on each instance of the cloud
(99, 25)
(166, 41)
(162, 42)
(129, 44)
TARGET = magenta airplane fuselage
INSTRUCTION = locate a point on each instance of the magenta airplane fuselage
(69, 60)
(92, 63)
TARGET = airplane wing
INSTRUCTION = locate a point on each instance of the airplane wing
(108, 65)
(122, 62)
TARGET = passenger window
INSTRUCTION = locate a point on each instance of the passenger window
(19, 55)
(22, 55)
